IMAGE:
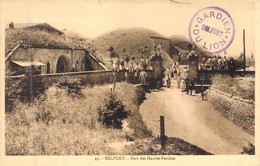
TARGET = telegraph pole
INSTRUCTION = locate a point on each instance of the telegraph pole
(244, 50)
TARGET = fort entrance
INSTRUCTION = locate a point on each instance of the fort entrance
(62, 64)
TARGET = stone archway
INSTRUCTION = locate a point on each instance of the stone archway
(63, 65)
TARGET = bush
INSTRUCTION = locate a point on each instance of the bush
(11, 93)
(32, 85)
(114, 112)
(73, 87)
(29, 88)
(250, 149)
(239, 86)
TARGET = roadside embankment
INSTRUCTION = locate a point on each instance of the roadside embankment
(235, 108)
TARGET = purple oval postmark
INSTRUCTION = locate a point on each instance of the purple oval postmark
(212, 30)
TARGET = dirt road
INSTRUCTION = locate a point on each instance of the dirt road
(195, 121)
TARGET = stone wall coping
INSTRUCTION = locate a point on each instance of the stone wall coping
(232, 96)
(226, 72)
(73, 73)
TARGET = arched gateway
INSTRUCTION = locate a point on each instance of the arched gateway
(63, 64)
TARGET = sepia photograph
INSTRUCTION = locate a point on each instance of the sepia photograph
(129, 80)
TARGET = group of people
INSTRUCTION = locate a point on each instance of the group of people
(157, 50)
(214, 63)
(219, 64)
(130, 64)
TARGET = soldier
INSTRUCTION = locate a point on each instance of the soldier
(143, 76)
(127, 62)
(122, 63)
(142, 62)
(232, 67)
(117, 63)
(210, 64)
(178, 79)
(187, 82)
(131, 67)
(147, 61)
(225, 63)
(219, 63)
(191, 85)
(152, 83)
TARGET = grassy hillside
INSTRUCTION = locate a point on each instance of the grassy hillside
(240, 86)
(58, 124)
(180, 41)
(14, 37)
(131, 39)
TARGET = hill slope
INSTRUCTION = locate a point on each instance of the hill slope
(180, 41)
(129, 38)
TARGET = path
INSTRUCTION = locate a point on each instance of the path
(195, 121)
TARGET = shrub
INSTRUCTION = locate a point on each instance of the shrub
(250, 149)
(240, 86)
(72, 85)
(32, 85)
(11, 93)
(114, 111)
(29, 88)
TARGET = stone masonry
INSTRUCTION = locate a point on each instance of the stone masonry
(238, 110)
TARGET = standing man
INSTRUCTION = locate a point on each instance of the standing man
(142, 62)
(127, 62)
(143, 76)
(187, 82)
(122, 63)
(232, 67)
(225, 62)
(178, 80)
(117, 63)
(191, 86)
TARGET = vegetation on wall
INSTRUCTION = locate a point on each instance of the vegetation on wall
(240, 86)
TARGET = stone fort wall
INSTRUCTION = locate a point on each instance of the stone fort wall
(97, 77)
(77, 58)
(236, 109)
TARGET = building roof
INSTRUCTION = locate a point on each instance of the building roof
(27, 63)
(156, 37)
(25, 25)
(41, 26)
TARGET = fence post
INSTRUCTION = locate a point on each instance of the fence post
(202, 92)
(162, 132)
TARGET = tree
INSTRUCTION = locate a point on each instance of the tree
(31, 84)
(113, 113)
(12, 91)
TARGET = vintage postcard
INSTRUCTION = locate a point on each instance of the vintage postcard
(129, 82)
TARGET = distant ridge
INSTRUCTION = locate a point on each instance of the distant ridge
(125, 41)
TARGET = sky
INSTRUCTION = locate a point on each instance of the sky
(167, 17)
